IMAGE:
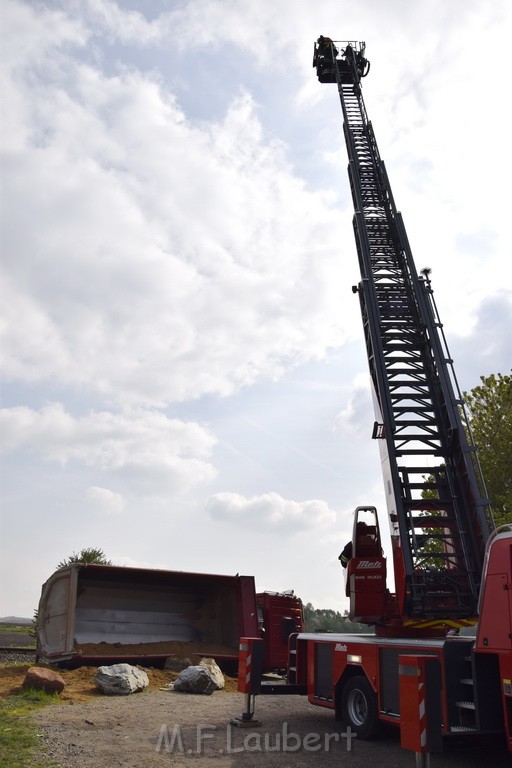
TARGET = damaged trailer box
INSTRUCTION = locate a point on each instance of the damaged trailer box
(90, 614)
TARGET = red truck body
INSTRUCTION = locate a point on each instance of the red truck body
(359, 676)
(279, 615)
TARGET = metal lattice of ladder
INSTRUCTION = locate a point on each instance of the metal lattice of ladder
(439, 541)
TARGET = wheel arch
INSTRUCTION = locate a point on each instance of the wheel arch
(350, 671)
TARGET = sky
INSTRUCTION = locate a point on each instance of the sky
(184, 379)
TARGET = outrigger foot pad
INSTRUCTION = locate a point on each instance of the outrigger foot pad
(246, 722)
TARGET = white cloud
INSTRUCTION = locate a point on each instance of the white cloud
(119, 23)
(356, 416)
(270, 512)
(42, 28)
(487, 348)
(104, 501)
(145, 450)
(164, 260)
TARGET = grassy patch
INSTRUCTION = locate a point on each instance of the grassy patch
(18, 739)
(18, 634)
(23, 629)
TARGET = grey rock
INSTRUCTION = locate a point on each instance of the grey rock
(196, 679)
(215, 671)
(120, 679)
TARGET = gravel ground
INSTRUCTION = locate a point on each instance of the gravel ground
(158, 728)
(15, 639)
(13, 657)
(154, 729)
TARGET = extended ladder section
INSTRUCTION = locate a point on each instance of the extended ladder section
(439, 516)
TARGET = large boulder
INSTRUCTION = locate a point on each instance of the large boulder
(215, 671)
(197, 679)
(42, 679)
(176, 663)
(120, 679)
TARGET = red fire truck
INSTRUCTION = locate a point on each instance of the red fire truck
(451, 568)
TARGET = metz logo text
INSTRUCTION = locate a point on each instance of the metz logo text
(369, 564)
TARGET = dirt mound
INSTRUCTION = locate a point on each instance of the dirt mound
(165, 648)
(80, 681)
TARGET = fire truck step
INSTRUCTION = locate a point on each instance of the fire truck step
(465, 704)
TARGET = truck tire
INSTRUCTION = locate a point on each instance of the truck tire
(359, 707)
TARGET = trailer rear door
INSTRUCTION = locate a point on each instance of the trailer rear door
(56, 614)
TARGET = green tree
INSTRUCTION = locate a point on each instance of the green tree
(490, 412)
(327, 620)
(86, 555)
(432, 539)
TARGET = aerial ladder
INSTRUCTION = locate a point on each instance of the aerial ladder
(439, 516)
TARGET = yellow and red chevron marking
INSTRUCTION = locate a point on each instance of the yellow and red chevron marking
(440, 623)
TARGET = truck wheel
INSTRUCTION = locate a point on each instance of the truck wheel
(359, 707)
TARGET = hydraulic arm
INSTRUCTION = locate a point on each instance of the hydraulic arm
(438, 512)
